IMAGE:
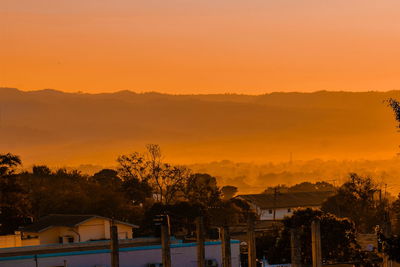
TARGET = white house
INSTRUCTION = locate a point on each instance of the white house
(277, 206)
(66, 228)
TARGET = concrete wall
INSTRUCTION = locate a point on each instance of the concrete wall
(93, 229)
(51, 236)
(8, 241)
(182, 255)
(124, 231)
(99, 229)
(30, 242)
(11, 241)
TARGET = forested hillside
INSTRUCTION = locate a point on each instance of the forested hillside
(57, 128)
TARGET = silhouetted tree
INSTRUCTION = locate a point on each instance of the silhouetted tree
(395, 211)
(338, 240)
(228, 191)
(202, 189)
(107, 177)
(182, 215)
(167, 181)
(64, 191)
(9, 164)
(391, 247)
(13, 202)
(395, 105)
(301, 187)
(357, 200)
(229, 212)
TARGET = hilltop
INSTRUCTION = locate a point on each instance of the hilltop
(53, 127)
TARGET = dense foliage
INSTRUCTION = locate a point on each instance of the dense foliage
(301, 187)
(142, 187)
(338, 240)
(359, 199)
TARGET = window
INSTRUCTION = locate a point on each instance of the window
(70, 240)
(289, 210)
(270, 211)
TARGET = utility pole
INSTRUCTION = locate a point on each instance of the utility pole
(114, 245)
(251, 241)
(275, 198)
(226, 246)
(387, 229)
(165, 241)
(295, 248)
(316, 244)
(201, 254)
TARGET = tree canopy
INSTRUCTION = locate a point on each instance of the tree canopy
(359, 200)
(338, 240)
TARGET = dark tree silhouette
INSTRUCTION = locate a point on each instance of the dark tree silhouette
(395, 105)
(13, 202)
(357, 200)
(338, 240)
(202, 189)
(167, 181)
(228, 191)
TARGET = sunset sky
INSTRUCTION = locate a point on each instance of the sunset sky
(202, 46)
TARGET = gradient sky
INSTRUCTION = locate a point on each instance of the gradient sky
(200, 46)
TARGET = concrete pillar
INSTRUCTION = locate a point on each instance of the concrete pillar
(251, 242)
(316, 244)
(114, 246)
(201, 253)
(226, 246)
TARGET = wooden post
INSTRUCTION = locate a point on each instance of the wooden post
(201, 253)
(251, 242)
(165, 242)
(316, 244)
(295, 248)
(114, 245)
(226, 246)
(65, 263)
(36, 261)
(275, 197)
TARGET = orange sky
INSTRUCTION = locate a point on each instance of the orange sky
(200, 46)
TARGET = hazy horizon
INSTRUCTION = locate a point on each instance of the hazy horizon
(261, 93)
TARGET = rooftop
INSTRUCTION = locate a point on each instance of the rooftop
(287, 200)
(67, 220)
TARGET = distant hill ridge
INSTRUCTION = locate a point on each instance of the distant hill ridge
(72, 128)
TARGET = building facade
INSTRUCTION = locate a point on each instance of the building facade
(65, 228)
(278, 206)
